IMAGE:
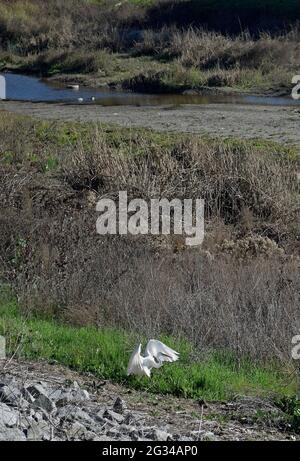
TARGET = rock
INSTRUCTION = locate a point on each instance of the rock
(113, 416)
(36, 415)
(12, 435)
(10, 394)
(39, 431)
(129, 419)
(36, 390)
(208, 436)
(89, 436)
(37, 394)
(44, 403)
(71, 413)
(114, 433)
(134, 434)
(65, 399)
(119, 406)
(157, 434)
(66, 413)
(82, 417)
(8, 417)
(27, 396)
(102, 438)
(76, 430)
(181, 438)
(126, 429)
(74, 395)
(55, 394)
(84, 395)
(30, 418)
(190, 92)
(101, 420)
(130, 431)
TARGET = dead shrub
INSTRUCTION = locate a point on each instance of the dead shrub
(251, 246)
(248, 307)
(205, 50)
(229, 178)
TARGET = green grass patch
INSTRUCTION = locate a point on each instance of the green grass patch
(291, 406)
(105, 353)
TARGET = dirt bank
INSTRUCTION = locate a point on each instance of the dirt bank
(39, 402)
(225, 120)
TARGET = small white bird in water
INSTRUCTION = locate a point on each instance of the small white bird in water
(155, 354)
(73, 87)
(80, 99)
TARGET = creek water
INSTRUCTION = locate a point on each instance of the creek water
(27, 88)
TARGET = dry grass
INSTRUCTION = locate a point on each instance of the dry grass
(239, 292)
(230, 177)
(63, 269)
(34, 27)
(200, 48)
(202, 58)
(75, 36)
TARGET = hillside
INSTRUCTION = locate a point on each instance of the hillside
(155, 46)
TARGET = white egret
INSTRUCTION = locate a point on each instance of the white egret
(73, 87)
(155, 354)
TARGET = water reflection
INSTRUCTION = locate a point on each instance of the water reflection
(25, 88)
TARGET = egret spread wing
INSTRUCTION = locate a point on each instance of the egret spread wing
(161, 352)
(135, 365)
(149, 362)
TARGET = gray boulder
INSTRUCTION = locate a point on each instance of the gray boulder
(11, 435)
(39, 431)
(76, 430)
(36, 390)
(119, 406)
(157, 434)
(75, 395)
(44, 403)
(10, 394)
(8, 416)
(37, 394)
(113, 416)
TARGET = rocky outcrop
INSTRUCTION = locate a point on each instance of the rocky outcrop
(39, 401)
(39, 411)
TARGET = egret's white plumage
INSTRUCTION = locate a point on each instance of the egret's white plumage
(156, 353)
(73, 87)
